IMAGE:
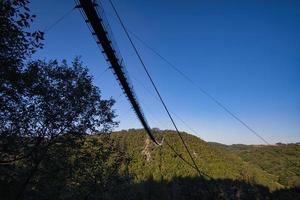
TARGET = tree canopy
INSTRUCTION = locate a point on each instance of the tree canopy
(41, 102)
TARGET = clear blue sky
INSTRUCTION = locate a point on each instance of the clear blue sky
(244, 53)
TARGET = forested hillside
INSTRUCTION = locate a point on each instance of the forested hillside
(160, 174)
(127, 165)
(280, 160)
(159, 162)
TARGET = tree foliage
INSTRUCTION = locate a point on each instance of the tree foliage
(42, 103)
(160, 162)
(281, 160)
(17, 42)
(56, 99)
(75, 168)
(158, 173)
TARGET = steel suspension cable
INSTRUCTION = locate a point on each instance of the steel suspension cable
(154, 86)
(51, 26)
(216, 101)
(207, 94)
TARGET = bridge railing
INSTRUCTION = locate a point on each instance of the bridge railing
(104, 21)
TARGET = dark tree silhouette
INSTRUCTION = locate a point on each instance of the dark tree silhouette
(40, 101)
(56, 99)
(16, 44)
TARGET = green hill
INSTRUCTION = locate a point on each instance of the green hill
(127, 165)
(160, 163)
(281, 160)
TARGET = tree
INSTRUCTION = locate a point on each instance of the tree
(93, 170)
(57, 99)
(16, 44)
(40, 101)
